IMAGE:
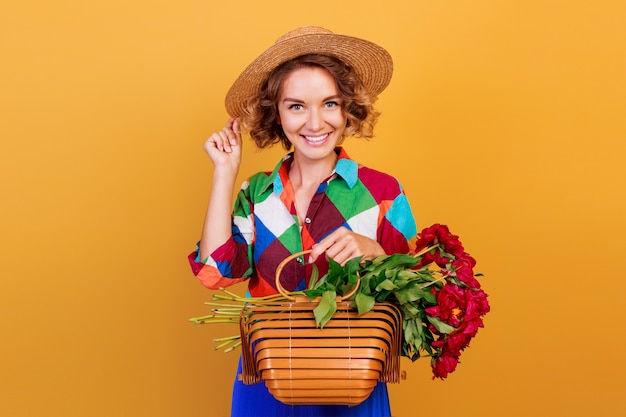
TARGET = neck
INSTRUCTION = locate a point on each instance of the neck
(307, 172)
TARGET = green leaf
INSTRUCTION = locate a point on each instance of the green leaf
(327, 306)
(364, 303)
(365, 285)
(352, 279)
(420, 326)
(382, 275)
(382, 296)
(430, 298)
(334, 270)
(447, 255)
(399, 259)
(409, 331)
(408, 276)
(408, 310)
(409, 294)
(353, 265)
(316, 292)
(440, 325)
(412, 333)
(386, 285)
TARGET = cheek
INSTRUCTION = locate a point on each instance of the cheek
(290, 122)
(339, 120)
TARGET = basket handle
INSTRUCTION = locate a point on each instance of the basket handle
(284, 292)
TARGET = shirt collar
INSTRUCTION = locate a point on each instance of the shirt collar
(346, 168)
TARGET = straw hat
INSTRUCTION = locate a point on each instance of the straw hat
(372, 63)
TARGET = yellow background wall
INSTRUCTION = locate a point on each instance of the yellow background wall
(504, 120)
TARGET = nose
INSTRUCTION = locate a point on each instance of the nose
(315, 121)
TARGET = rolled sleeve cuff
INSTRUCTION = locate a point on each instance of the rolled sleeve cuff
(207, 270)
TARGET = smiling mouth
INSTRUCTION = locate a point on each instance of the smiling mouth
(315, 139)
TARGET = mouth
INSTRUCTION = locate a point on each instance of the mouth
(316, 139)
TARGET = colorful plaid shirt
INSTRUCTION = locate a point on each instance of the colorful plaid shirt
(266, 229)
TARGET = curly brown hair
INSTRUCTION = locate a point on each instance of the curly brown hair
(260, 117)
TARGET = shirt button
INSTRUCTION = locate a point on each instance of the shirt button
(300, 260)
(307, 220)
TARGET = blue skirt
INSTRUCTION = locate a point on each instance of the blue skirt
(256, 401)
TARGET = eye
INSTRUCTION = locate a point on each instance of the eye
(295, 107)
(331, 104)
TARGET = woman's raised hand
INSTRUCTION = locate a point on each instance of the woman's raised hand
(224, 146)
(224, 149)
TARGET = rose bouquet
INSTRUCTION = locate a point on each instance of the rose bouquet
(434, 286)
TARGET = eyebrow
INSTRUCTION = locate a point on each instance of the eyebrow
(295, 100)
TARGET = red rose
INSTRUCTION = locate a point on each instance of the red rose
(464, 272)
(444, 365)
(430, 236)
(436, 234)
(450, 306)
(476, 304)
(439, 233)
(434, 256)
(449, 244)
(460, 338)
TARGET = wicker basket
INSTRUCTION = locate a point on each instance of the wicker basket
(303, 364)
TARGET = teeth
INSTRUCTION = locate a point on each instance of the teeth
(316, 138)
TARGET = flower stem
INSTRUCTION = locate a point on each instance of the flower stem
(233, 347)
(426, 250)
(233, 306)
(223, 339)
(443, 278)
(203, 320)
(225, 291)
(226, 343)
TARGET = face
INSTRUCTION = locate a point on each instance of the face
(310, 113)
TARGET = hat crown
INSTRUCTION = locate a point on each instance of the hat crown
(371, 63)
(302, 31)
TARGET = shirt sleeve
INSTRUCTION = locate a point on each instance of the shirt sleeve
(232, 261)
(397, 227)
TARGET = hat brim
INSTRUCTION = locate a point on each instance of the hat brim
(372, 64)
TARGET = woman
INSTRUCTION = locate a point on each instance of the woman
(308, 91)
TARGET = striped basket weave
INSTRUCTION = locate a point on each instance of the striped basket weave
(304, 364)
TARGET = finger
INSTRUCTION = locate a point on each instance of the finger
(325, 244)
(320, 248)
(225, 139)
(316, 251)
(212, 142)
(233, 138)
(335, 250)
(237, 131)
(340, 253)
